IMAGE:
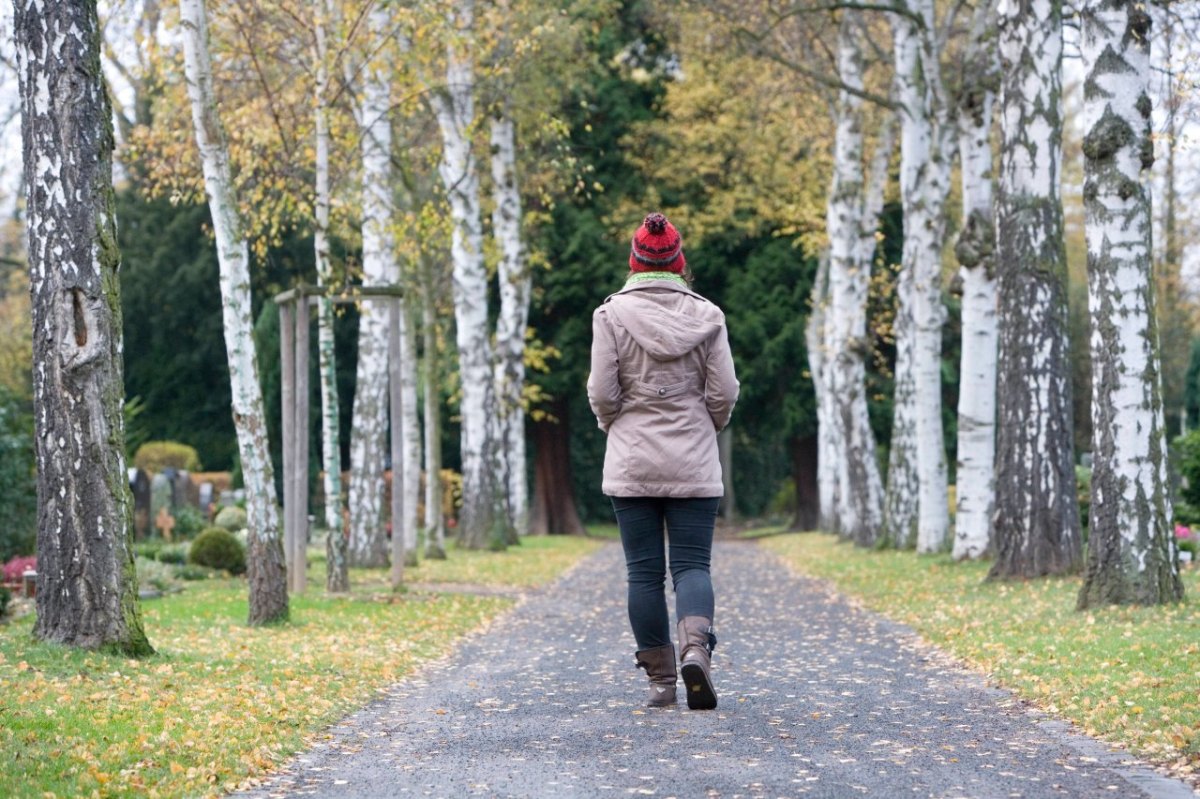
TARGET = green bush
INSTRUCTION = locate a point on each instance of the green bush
(18, 481)
(190, 571)
(189, 522)
(1187, 514)
(1083, 492)
(218, 548)
(156, 575)
(5, 598)
(175, 554)
(1186, 450)
(232, 518)
(154, 456)
(149, 548)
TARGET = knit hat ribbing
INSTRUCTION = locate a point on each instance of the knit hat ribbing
(657, 247)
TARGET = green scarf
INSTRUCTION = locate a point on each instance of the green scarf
(641, 277)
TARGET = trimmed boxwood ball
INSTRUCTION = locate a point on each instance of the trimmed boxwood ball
(231, 517)
(217, 548)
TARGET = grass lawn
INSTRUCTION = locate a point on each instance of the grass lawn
(222, 702)
(1127, 675)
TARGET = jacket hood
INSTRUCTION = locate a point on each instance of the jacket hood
(664, 332)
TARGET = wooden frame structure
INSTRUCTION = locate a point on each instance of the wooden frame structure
(294, 320)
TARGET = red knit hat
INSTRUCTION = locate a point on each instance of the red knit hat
(657, 247)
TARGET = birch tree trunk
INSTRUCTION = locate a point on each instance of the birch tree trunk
(900, 501)
(435, 522)
(1035, 525)
(1132, 556)
(368, 431)
(515, 291)
(266, 568)
(331, 450)
(860, 490)
(975, 251)
(924, 181)
(480, 526)
(87, 593)
(829, 451)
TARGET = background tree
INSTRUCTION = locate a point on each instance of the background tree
(978, 79)
(1035, 526)
(87, 593)
(266, 569)
(1131, 545)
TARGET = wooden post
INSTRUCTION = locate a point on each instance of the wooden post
(287, 351)
(300, 447)
(395, 404)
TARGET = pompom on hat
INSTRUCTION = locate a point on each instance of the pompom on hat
(657, 247)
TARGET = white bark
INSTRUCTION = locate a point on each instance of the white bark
(455, 110)
(1035, 525)
(266, 567)
(829, 445)
(516, 287)
(925, 148)
(331, 458)
(87, 594)
(850, 218)
(435, 523)
(1131, 547)
(368, 435)
(900, 501)
(975, 250)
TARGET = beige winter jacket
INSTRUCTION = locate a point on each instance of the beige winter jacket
(662, 386)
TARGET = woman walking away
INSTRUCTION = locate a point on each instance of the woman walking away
(662, 386)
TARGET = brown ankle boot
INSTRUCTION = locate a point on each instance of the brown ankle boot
(659, 664)
(696, 643)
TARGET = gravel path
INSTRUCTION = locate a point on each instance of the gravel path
(817, 699)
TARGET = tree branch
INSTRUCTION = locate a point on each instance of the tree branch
(815, 76)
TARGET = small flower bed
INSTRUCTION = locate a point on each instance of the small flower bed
(16, 568)
(1188, 540)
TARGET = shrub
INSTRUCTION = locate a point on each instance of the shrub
(189, 521)
(5, 598)
(1186, 450)
(153, 574)
(1083, 492)
(232, 518)
(148, 549)
(190, 571)
(18, 480)
(154, 456)
(218, 548)
(1187, 514)
(175, 554)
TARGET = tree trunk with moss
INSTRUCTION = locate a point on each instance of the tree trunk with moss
(484, 519)
(926, 145)
(368, 544)
(331, 449)
(851, 214)
(979, 79)
(829, 448)
(266, 568)
(1132, 558)
(1035, 524)
(87, 585)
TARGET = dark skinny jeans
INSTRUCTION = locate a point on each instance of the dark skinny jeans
(689, 525)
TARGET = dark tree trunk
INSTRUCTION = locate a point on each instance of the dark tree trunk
(87, 584)
(1035, 523)
(554, 508)
(804, 475)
